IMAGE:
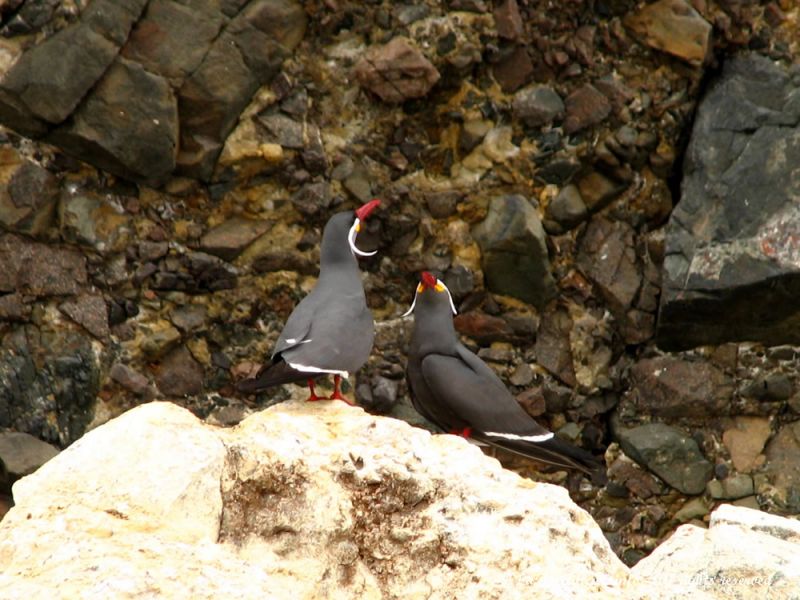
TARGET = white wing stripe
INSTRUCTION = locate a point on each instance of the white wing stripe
(527, 438)
(309, 369)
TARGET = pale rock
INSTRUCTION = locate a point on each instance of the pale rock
(743, 554)
(21, 453)
(675, 27)
(745, 441)
(302, 500)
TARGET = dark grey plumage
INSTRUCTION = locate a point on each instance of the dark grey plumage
(331, 330)
(454, 389)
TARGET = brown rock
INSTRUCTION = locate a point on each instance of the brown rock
(666, 386)
(607, 257)
(38, 269)
(514, 70)
(179, 374)
(482, 328)
(673, 26)
(532, 401)
(585, 107)
(553, 350)
(90, 312)
(615, 90)
(396, 71)
(132, 380)
(745, 440)
(638, 482)
(14, 308)
(227, 240)
(508, 20)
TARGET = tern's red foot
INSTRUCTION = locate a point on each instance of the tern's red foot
(312, 396)
(466, 433)
(337, 395)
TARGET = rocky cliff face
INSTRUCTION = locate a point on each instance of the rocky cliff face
(608, 189)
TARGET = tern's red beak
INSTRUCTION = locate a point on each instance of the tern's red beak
(365, 211)
(428, 280)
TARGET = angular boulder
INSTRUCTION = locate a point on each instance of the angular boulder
(513, 244)
(732, 265)
(744, 553)
(144, 88)
(299, 501)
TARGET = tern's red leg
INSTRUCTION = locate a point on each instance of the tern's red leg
(312, 397)
(337, 395)
(466, 433)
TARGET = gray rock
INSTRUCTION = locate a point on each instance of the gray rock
(409, 13)
(695, 508)
(172, 38)
(48, 384)
(22, 454)
(358, 183)
(731, 488)
(515, 260)
(384, 395)
(442, 204)
(49, 81)
(89, 219)
(128, 125)
(566, 210)
(783, 469)
(28, 198)
(247, 54)
(731, 267)
(460, 281)
(537, 105)
(283, 130)
(150, 251)
(670, 454)
(522, 375)
(772, 387)
(107, 88)
(190, 317)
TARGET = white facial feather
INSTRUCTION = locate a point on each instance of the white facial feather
(351, 239)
